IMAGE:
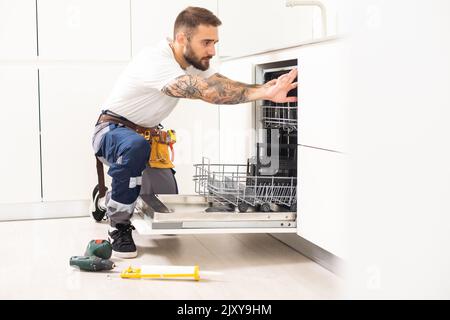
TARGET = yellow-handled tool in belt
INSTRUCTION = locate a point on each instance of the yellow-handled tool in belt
(159, 155)
(172, 139)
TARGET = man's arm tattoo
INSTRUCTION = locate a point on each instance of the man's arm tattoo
(184, 87)
(216, 89)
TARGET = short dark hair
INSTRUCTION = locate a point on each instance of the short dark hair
(191, 17)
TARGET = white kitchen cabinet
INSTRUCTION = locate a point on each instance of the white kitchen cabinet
(322, 199)
(237, 122)
(323, 96)
(70, 105)
(84, 30)
(153, 20)
(19, 136)
(253, 26)
(18, 29)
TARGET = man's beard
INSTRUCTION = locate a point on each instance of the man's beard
(201, 64)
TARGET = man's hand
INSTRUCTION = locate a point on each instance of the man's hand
(277, 89)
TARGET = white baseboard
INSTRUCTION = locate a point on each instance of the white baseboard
(44, 210)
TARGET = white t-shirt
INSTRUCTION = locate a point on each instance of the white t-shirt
(137, 93)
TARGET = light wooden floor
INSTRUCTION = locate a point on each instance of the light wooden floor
(35, 265)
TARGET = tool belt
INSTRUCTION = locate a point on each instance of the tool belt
(159, 140)
(147, 133)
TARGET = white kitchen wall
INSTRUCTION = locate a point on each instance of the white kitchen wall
(70, 101)
(19, 132)
(84, 29)
(332, 18)
(153, 21)
(17, 29)
(253, 26)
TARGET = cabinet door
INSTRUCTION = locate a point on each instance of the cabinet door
(70, 105)
(19, 136)
(252, 26)
(84, 30)
(322, 199)
(323, 96)
(153, 20)
(17, 29)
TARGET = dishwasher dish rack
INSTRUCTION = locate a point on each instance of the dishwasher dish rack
(231, 184)
(282, 116)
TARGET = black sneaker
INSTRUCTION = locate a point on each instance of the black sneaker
(122, 242)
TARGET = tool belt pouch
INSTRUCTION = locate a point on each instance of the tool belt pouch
(159, 154)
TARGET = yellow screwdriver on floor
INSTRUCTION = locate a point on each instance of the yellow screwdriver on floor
(165, 272)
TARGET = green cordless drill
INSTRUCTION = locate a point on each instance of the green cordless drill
(99, 248)
(91, 263)
(96, 257)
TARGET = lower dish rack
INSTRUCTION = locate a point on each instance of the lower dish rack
(231, 184)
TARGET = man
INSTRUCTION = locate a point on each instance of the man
(147, 92)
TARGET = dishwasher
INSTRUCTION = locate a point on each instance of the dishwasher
(259, 196)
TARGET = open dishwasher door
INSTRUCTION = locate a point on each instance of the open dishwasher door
(193, 214)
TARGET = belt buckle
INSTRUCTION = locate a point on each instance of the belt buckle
(147, 135)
